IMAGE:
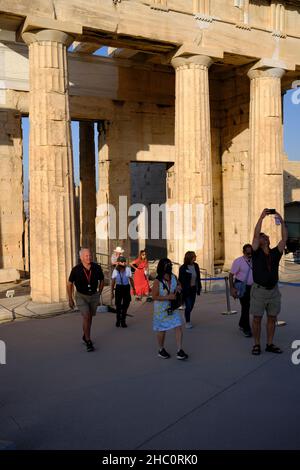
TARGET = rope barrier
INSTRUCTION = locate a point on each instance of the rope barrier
(213, 279)
(294, 284)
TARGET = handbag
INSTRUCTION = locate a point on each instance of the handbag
(175, 303)
(240, 286)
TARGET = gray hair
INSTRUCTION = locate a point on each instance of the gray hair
(82, 250)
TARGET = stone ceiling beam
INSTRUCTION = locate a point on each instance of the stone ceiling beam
(85, 47)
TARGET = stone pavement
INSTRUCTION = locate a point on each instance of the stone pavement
(55, 395)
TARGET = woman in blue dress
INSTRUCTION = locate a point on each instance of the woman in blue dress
(164, 290)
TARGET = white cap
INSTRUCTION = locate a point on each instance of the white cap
(119, 250)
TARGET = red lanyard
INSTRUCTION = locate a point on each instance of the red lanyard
(89, 275)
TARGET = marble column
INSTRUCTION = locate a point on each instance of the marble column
(266, 148)
(193, 162)
(52, 226)
(87, 185)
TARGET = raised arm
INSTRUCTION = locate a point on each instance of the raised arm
(257, 230)
(284, 234)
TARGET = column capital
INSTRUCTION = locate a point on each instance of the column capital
(36, 29)
(269, 68)
(40, 35)
(275, 72)
(203, 60)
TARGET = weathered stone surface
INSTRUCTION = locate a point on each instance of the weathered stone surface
(226, 154)
(87, 185)
(52, 225)
(9, 275)
(291, 173)
(11, 186)
(193, 164)
(266, 147)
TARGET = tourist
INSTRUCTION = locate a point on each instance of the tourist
(141, 283)
(189, 278)
(164, 291)
(265, 294)
(241, 280)
(116, 253)
(120, 288)
(89, 281)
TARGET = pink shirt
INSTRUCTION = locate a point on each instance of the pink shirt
(240, 268)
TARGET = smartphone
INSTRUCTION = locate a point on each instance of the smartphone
(271, 211)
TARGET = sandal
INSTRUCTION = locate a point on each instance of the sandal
(273, 349)
(256, 350)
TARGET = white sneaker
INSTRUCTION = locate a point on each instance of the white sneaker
(188, 325)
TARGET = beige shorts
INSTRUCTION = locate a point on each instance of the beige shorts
(87, 303)
(262, 300)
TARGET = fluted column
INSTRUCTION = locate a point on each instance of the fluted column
(114, 193)
(52, 227)
(87, 185)
(193, 164)
(266, 148)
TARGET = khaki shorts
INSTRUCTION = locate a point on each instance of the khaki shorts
(262, 300)
(87, 303)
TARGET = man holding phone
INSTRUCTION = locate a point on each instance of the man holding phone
(265, 295)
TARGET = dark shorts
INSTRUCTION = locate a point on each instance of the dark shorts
(262, 300)
(87, 303)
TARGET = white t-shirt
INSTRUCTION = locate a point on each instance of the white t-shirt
(192, 270)
(122, 278)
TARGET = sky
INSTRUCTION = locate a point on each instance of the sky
(291, 113)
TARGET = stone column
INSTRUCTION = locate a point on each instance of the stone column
(266, 148)
(114, 191)
(52, 227)
(11, 190)
(87, 185)
(193, 165)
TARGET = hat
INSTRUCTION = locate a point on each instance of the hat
(121, 259)
(119, 250)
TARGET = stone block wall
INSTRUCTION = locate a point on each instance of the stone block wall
(11, 186)
(291, 176)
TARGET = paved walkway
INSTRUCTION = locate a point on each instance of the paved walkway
(55, 395)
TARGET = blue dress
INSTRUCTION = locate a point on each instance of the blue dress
(162, 321)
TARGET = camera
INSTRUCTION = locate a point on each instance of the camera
(271, 211)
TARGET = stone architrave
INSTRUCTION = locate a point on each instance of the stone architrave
(193, 164)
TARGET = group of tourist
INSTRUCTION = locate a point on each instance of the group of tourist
(253, 279)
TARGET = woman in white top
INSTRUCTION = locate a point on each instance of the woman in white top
(121, 281)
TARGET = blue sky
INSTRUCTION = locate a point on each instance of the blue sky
(291, 134)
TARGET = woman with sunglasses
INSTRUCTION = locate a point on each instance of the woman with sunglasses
(164, 291)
